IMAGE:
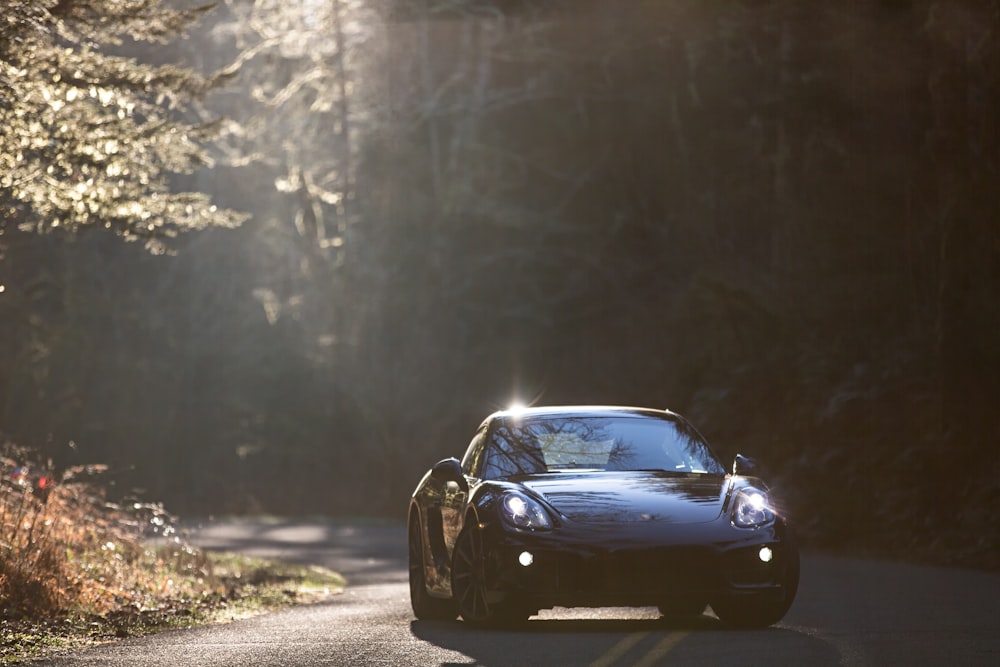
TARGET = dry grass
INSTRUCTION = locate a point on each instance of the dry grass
(68, 549)
(75, 567)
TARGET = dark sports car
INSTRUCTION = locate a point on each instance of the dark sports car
(596, 507)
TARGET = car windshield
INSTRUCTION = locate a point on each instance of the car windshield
(586, 443)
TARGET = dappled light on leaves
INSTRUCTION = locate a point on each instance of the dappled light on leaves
(303, 65)
(90, 138)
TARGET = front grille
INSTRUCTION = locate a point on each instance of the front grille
(634, 574)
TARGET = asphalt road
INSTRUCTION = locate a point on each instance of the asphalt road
(848, 612)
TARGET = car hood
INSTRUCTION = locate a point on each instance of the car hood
(633, 496)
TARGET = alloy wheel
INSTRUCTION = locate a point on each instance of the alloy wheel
(469, 585)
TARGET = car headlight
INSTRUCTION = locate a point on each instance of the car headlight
(523, 512)
(751, 509)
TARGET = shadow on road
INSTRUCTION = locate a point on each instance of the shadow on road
(427, 629)
(621, 642)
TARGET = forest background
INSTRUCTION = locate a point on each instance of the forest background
(778, 218)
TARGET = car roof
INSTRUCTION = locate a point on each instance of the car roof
(587, 410)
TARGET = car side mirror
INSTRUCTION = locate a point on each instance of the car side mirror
(450, 470)
(745, 466)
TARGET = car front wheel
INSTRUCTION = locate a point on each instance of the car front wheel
(425, 607)
(470, 585)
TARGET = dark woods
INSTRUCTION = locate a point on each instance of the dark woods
(779, 219)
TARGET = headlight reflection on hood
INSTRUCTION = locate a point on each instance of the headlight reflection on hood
(751, 509)
(521, 511)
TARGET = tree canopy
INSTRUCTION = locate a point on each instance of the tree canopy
(89, 136)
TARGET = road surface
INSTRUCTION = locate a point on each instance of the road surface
(848, 612)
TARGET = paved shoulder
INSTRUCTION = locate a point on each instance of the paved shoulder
(364, 551)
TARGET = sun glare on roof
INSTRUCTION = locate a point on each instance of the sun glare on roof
(516, 407)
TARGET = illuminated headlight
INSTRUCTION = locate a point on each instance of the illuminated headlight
(525, 558)
(751, 509)
(521, 511)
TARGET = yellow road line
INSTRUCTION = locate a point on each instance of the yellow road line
(619, 649)
(661, 649)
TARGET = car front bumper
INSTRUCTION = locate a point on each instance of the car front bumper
(635, 566)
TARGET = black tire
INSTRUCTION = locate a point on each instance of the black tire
(425, 607)
(762, 609)
(470, 585)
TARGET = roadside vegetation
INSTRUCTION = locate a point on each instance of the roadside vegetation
(77, 568)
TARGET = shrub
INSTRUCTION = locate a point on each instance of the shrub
(65, 547)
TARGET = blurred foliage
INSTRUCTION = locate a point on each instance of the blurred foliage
(66, 548)
(89, 138)
(779, 219)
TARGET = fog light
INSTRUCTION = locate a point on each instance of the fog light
(525, 558)
(766, 554)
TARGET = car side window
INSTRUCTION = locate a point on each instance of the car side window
(471, 462)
